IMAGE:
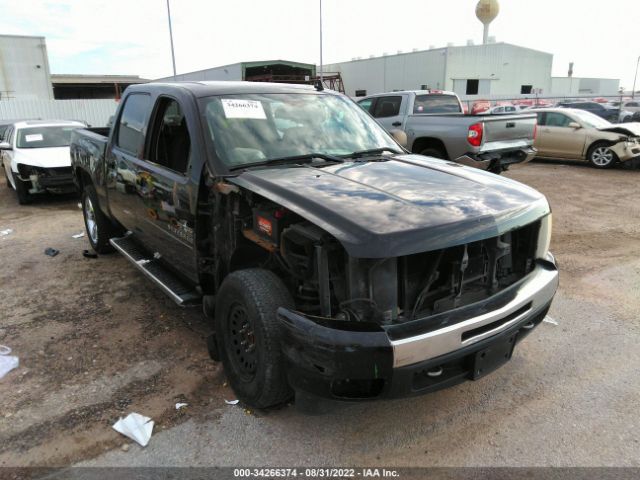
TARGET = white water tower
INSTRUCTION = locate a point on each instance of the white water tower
(487, 11)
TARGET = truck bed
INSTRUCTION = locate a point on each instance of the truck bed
(497, 128)
(88, 146)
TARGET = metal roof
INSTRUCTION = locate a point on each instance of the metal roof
(96, 79)
(210, 88)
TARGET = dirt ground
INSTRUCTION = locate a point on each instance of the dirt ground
(96, 340)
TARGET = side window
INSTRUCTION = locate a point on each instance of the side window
(366, 104)
(542, 118)
(6, 134)
(387, 107)
(632, 104)
(555, 119)
(170, 141)
(132, 123)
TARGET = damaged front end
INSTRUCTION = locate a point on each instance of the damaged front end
(41, 179)
(366, 328)
(627, 148)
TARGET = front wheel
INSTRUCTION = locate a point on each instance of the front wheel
(601, 156)
(248, 336)
(99, 228)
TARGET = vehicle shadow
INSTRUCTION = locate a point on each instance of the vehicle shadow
(629, 165)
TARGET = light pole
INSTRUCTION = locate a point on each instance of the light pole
(633, 90)
(173, 56)
(321, 67)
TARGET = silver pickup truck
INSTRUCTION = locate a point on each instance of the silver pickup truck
(436, 126)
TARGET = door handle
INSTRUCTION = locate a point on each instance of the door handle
(396, 124)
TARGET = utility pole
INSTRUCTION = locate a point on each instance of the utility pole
(633, 90)
(173, 55)
(321, 65)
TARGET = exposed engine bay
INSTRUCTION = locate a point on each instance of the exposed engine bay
(329, 284)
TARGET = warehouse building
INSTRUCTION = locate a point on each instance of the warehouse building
(24, 68)
(492, 69)
(25, 75)
(575, 86)
(67, 87)
(250, 71)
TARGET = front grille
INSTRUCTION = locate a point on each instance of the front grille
(435, 282)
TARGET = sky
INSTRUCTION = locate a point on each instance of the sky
(130, 37)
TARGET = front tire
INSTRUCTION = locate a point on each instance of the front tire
(600, 155)
(247, 334)
(99, 228)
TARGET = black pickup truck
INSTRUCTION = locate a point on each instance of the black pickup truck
(332, 262)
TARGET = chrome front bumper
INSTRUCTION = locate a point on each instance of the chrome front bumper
(534, 293)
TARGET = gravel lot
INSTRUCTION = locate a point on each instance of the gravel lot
(96, 340)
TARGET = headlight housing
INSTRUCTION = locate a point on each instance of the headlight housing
(544, 237)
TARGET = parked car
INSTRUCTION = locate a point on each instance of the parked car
(332, 263)
(504, 110)
(35, 157)
(436, 126)
(580, 135)
(612, 114)
(629, 107)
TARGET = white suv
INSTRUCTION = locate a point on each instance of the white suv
(35, 157)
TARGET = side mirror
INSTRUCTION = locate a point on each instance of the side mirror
(575, 125)
(5, 146)
(400, 137)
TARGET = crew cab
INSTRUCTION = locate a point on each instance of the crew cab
(35, 157)
(436, 126)
(331, 262)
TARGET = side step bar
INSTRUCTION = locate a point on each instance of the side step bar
(179, 291)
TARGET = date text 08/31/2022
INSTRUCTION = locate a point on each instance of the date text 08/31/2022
(315, 473)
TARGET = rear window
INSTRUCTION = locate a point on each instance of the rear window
(436, 104)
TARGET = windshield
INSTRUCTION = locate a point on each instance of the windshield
(44, 137)
(436, 104)
(591, 120)
(253, 128)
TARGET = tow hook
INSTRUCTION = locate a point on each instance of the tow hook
(435, 372)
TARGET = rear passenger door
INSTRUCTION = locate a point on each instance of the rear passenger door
(165, 190)
(390, 111)
(124, 158)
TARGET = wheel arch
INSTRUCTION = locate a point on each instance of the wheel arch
(423, 143)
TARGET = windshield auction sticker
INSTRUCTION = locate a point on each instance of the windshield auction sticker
(34, 137)
(234, 108)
